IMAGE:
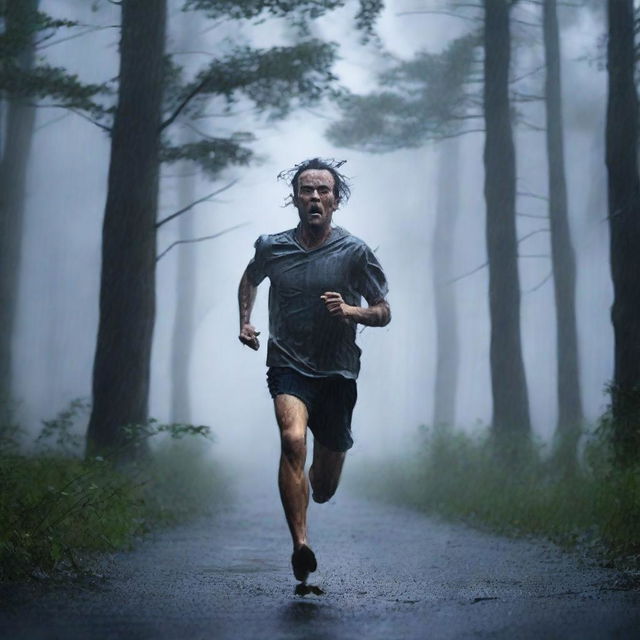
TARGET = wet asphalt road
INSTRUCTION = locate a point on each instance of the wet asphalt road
(387, 572)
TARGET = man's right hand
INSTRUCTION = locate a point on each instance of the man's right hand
(249, 336)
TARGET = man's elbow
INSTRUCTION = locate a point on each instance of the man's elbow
(385, 314)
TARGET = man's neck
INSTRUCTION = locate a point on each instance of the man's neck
(312, 237)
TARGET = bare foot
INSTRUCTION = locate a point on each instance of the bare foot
(303, 562)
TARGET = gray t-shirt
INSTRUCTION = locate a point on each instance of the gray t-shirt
(302, 333)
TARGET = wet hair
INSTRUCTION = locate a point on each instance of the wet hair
(341, 188)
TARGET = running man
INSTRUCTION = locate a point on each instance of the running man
(319, 273)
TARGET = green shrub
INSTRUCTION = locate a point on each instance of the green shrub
(460, 476)
(55, 505)
(52, 507)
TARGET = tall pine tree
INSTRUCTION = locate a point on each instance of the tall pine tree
(624, 226)
(510, 420)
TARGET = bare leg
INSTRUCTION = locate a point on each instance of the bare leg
(292, 417)
(325, 471)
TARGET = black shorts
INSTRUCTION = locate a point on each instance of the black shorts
(329, 401)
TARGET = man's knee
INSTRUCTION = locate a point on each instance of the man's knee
(322, 495)
(322, 490)
(293, 444)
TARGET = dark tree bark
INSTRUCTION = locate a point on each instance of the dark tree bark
(509, 388)
(446, 382)
(18, 133)
(570, 415)
(127, 288)
(624, 225)
(184, 320)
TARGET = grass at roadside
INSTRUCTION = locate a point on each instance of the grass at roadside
(56, 506)
(459, 477)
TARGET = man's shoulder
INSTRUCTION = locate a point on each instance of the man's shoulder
(344, 237)
(268, 240)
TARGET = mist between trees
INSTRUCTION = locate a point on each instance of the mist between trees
(140, 143)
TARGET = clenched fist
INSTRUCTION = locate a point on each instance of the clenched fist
(336, 306)
(249, 336)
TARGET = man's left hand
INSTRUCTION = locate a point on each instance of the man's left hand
(336, 306)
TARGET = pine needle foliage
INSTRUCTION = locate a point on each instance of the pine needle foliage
(425, 98)
(25, 30)
(276, 80)
(252, 9)
(298, 11)
(212, 154)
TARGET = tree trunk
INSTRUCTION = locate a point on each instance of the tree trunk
(20, 119)
(184, 322)
(624, 225)
(184, 317)
(121, 369)
(570, 415)
(509, 388)
(446, 382)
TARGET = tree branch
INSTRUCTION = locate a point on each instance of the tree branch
(531, 125)
(91, 120)
(544, 281)
(72, 110)
(486, 264)
(186, 100)
(527, 74)
(469, 116)
(215, 235)
(532, 233)
(526, 97)
(52, 121)
(193, 204)
(528, 194)
(532, 215)
(525, 23)
(456, 135)
(89, 29)
(230, 114)
(469, 273)
(437, 12)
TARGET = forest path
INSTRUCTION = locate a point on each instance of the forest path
(387, 572)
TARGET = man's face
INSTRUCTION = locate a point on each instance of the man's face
(315, 199)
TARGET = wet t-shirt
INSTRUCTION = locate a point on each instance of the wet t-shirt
(302, 333)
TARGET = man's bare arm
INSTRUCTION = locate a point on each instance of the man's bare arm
(375, 315)
(246, 298)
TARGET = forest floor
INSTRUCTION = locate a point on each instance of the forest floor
(386, 572)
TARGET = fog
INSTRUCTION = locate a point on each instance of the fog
(392, 208)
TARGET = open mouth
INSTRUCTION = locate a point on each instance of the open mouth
(315, 211)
